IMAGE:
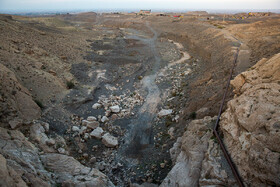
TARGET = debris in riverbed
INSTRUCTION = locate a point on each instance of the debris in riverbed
(96, 106)
(109, 140)
(97, 133)
(165, 112)
(115, 109)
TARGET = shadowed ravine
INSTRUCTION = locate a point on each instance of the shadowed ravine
(140, 132)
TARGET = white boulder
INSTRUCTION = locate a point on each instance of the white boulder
(97, 133)
(91, 118)
(96, 106)
(75, 129)
(115, 109)
(104, 119)
(109, 140)
(165, 112)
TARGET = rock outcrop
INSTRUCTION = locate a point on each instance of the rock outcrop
(16, 103)
(109, 140)
(22, 163)
(251, 130)
(251, 123)
(8, 176)
(191, 154)
(23, 157)
(70, 172)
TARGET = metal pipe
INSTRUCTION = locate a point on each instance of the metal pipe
(216, 133)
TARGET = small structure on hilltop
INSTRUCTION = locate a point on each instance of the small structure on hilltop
(145, 12)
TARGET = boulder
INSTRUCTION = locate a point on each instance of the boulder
(91, 118)
(165, 112)
(109, 140)
(83, 130)
(92, 160)
(97, 133)
(104, 119)
(96, 106)
(115, 109)
(61, 150)
(90, 124)
(38, 135)
(75, 129)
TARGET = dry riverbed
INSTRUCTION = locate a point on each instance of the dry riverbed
(118, 115)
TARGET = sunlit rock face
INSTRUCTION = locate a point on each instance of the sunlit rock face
(251, 123)
(250, 129)
(197, 158)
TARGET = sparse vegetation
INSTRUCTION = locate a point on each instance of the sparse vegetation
(39, 103)
(70, 84)
(220, 27)
(192, 115)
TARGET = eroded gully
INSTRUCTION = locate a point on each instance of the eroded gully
(139, 136)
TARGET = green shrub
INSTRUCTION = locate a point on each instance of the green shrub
(70, 84)
(192, 115)
(220, 27)
(39, 103)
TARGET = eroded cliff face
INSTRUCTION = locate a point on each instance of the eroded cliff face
(251, 123)
(251, 130)
(197, 158)
(16, 103)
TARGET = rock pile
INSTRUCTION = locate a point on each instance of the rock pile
(91, 128)
(121, 105)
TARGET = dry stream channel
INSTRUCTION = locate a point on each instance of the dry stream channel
(115, 72)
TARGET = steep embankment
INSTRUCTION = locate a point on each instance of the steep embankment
(212, 52)
(35, 61)
(250, 126)
(251, 123)
(39, 55)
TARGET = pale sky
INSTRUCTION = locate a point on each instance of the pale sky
(33, 5)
